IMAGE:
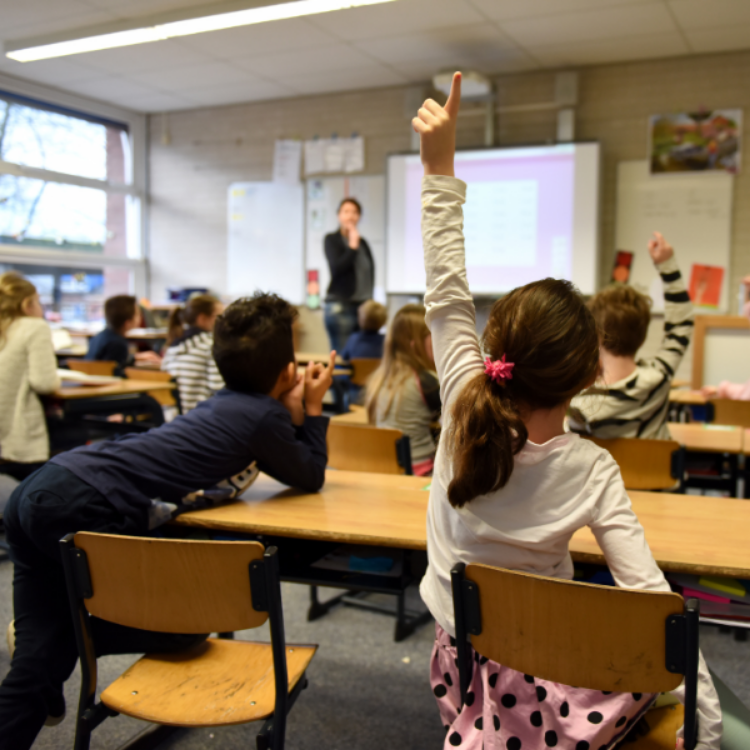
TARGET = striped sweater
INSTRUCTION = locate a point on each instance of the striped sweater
(637, 405)
(191, 363)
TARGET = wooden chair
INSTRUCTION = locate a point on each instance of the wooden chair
(362, 369)
(94, 367)
(647, 464)
(165, 398)
(597, 637)
(729, 412)
(353, 447)
(176, 586)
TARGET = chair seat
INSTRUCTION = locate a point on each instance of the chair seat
(663, 724)
(218, 682)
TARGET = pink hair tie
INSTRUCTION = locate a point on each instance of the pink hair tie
(499, 370)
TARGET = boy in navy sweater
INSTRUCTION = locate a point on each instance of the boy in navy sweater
(268, 418)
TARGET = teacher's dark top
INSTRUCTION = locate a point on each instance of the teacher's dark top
(352, 271)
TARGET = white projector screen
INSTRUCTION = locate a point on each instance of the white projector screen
(530, 213)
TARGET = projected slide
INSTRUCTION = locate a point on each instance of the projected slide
(529, 213)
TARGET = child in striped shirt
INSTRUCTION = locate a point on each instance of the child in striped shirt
(631, 398)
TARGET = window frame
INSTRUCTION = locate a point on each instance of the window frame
(136, 123)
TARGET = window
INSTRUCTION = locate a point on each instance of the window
(70, 211)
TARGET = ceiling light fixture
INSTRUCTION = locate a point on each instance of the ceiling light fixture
(159, 32)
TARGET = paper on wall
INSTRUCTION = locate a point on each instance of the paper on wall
(314, 157)
(287, 160)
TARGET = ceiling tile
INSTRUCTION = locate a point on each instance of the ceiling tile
(156, 103)
(455, 44)
(590, 25)
(648, 46)
(142, 57)
(695, 14)
(513, 9)
(719, 39)
(343, 80)
(213, 96)
(111, 88)
(210, 73)
(399, 17)
(62, 71)
(334, 56)
(259, 39)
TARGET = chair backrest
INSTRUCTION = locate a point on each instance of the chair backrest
(165, 398)
(171, 586)
(92, 367)
(645, 464)
(362, 369)
(585, 635)
(354, 447)
(729, 412)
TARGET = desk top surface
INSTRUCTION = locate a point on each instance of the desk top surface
(120, 388)
(708, 437)
(687, 533)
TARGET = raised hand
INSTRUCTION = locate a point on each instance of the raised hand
(659, 249)
(318, 379)
(436, 126)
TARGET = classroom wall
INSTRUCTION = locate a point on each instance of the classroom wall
(194, 155)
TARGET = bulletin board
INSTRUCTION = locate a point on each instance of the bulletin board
(323, 196)
(692, 211)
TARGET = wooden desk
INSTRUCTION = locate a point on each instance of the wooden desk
(688, 398)
(687, 534)
(697, 436)
(121, 388)
(323, 357)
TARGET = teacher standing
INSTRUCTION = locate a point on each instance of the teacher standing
(352, 274)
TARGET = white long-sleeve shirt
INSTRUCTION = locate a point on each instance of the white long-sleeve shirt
(28, 367)
(555, 488)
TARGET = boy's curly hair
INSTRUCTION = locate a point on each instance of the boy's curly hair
(253, 342)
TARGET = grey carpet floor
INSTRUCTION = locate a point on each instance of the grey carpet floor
(366, 692)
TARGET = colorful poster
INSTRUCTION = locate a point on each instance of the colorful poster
(705, 285)
(696, 141)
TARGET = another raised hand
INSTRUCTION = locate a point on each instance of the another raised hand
(318, 379)
(436, 126)
(659, 249)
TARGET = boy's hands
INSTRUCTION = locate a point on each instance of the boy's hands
(292, 400)
(318, 379)
(659, 249)
(436, 126)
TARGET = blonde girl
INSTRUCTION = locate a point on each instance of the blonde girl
(29, 368)
(404, 392)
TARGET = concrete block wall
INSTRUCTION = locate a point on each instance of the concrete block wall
(207, 149)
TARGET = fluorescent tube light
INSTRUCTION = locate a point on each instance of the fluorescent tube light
(189, 26)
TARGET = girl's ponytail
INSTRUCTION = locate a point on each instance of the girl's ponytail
(176, 325)
(486, 433)
(543, 349)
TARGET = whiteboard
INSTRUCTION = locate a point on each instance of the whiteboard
(266, 239)
(323, 198)
(693, 212)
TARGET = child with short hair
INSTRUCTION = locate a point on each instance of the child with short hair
(367, 342)
(110, 345)
(631, 398)
(29, 369)
(189, 357)
(404, 393)
(127, 486)
(510, 486)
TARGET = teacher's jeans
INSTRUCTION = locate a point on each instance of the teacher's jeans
(341, 322)
(51, 503)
